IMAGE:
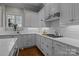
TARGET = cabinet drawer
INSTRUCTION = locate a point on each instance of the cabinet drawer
(28, 44)
(55, 43)
(43, 39)
(43, 47)
(73, 51)
(49, 41)
(60, 49)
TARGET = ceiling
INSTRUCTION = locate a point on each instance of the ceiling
(30, 6)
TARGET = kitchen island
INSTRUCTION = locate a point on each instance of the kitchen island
(6, 46)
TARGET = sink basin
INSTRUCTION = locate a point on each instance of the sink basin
(54, 36)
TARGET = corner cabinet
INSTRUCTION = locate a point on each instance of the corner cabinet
(26, 40)
(45, 45)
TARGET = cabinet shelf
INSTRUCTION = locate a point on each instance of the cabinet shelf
(52, 19)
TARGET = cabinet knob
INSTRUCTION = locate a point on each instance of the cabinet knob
(47, 45)
(41, 19)
(72, 20)
(52, 47)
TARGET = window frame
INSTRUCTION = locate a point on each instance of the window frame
(14, 20)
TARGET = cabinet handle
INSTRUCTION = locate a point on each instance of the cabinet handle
(47, 45)
(59, 45)
(52, 47)
(12, 36)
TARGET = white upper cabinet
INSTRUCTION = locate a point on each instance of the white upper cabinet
(76, 13)
(76, 10)
(66, 13)
(69, 14)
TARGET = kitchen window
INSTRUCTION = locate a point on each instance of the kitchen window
(14, 20)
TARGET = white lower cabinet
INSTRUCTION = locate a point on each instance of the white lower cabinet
(38, 41)
(45, 45)
(49, 47)
(26, 40)
(59, 49)
(72, 51)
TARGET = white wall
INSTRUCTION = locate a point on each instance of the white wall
(12, 10)
(70, 31)
(31, 19)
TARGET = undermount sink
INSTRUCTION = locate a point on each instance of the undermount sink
(54, 36)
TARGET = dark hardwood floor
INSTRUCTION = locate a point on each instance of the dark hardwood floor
(32, 51)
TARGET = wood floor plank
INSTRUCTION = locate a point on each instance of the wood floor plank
(33, 51)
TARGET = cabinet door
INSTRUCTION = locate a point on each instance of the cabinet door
(49, 42)
(76, 13)
(29, 40)
(46, 46)
(49, 45)
(42, 45)
(66, 13)
(43, 48)
(20, 41)
(38, 41)
(46, 10)
(72, 51)
(59, 49)
(50, 51)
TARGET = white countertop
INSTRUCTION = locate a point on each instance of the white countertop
(6, 45)
(66, 40)
(12, 33)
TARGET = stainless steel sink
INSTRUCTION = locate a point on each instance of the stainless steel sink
(54, 36)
